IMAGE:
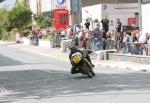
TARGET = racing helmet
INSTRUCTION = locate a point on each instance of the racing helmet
(72, 47)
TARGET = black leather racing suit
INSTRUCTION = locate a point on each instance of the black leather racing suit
(74, 70)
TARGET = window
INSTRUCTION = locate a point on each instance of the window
(63, 22)
(63, 19)
(145, 1)
(62, 15)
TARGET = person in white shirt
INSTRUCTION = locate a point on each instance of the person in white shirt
(96, 24)
(77, 28)
(69, 32)
(126, 40)
(142, 45)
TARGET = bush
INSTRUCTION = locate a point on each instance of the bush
(9, 36)
(48, 36)
(26, 32)
(19, 17)
(1, 35)
(44, 21)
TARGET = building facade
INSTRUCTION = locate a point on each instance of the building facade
(113, 9)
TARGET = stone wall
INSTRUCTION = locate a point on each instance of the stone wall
(129, 58)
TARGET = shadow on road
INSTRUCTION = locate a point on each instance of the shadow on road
(37, 84)
(6, 61)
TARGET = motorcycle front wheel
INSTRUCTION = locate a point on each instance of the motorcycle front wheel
(87, 71)
(88, 65)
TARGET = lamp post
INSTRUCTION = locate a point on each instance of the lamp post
(75, 11)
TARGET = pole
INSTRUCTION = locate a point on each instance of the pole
(140, 14)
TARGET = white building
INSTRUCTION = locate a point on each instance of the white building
(146, 18)
(39, 6)
(123, 10)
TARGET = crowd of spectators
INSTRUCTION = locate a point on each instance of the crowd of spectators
(101, 38)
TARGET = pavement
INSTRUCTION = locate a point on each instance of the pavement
(27, 77)
(55, 53)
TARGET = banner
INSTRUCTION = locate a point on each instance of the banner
(131, 21)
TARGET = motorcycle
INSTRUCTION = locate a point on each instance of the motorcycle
(81, 63)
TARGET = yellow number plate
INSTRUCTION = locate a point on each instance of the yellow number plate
(76, 59)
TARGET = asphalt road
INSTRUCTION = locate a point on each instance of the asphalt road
(30, 78)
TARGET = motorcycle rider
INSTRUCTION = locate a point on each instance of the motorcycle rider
(73, 49)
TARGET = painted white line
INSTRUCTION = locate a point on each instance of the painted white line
(44, 70)
(3, 91)
(4, 78)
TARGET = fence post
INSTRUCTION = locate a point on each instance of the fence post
(93, 47)
(149, 47)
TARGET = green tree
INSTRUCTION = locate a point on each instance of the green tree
(3, 17)
(46, 20)
(19, 17)
(3, 22)
(23, 2)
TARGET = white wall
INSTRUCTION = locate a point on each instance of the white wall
(146, 18)
(93, 12)
(112, 11)
(121, 11)
(46, 5)
(33, 6)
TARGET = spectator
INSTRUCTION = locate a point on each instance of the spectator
(98, 39)
(40, 33)
(133, 39)
(142, 45)
(112, 37)
(77, 28)
(104, 38)
(135, 46)
(87, 24)
(121, 40)
(86, 39)
(81, 39)
(63, 33)
(126, 40)
(34, 38)
(69, 32)
(118, 40)
(108, 41)
(96, 24)
(148, 44)
(43, 31)
(91, 41)
(105, 24)
(118, 26)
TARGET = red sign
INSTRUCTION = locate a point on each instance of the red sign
(61, 18)
(131, 21)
